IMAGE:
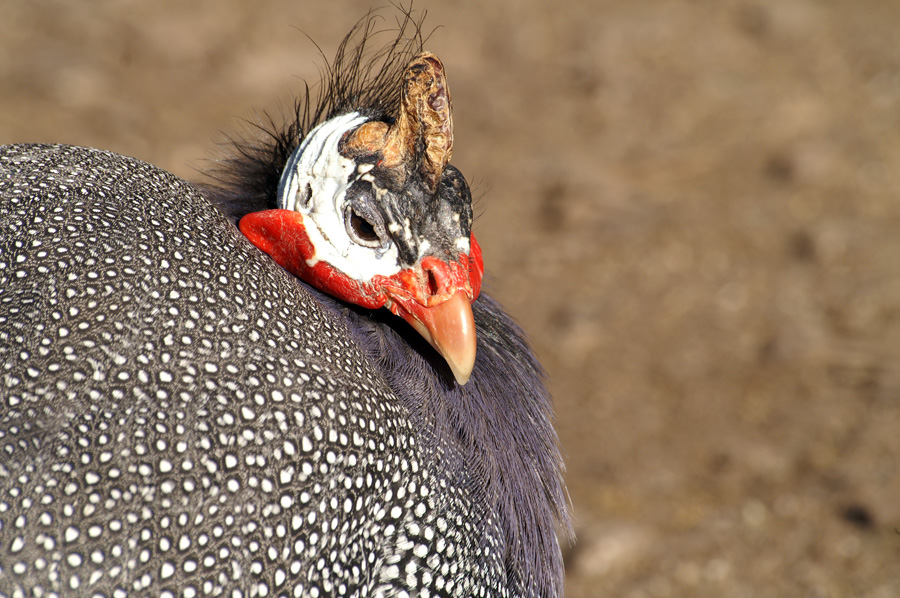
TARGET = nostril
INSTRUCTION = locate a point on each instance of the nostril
(432, 283)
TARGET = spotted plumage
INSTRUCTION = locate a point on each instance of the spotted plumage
(179, 416)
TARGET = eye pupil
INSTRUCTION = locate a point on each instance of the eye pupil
(363, 228)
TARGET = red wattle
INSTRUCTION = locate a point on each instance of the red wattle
(476, 267)
(282, 235)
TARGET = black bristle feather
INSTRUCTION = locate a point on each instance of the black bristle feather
(246, 181)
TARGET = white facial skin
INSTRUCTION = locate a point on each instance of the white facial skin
(318, 166)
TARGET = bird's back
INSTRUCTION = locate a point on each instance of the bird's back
(177, 413)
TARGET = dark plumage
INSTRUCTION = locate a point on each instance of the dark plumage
(180, 414)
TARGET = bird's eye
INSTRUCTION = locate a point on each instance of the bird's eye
(361, 229)
(364, 224)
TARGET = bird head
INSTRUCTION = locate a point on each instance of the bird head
(371, 212)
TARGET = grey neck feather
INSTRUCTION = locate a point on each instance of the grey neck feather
(499, 427)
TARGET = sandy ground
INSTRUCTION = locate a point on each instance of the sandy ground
(692, 207)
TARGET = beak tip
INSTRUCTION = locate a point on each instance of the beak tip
(454, 337)
(450, 328)
(461, 378)
(462, 370)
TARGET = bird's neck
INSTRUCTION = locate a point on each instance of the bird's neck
(499, 425)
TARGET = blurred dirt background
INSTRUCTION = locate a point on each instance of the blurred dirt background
(692, 207)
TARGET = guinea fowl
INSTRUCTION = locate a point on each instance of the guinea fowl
(187, 413)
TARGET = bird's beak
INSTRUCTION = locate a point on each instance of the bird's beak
(448, 326)
(435, 298)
